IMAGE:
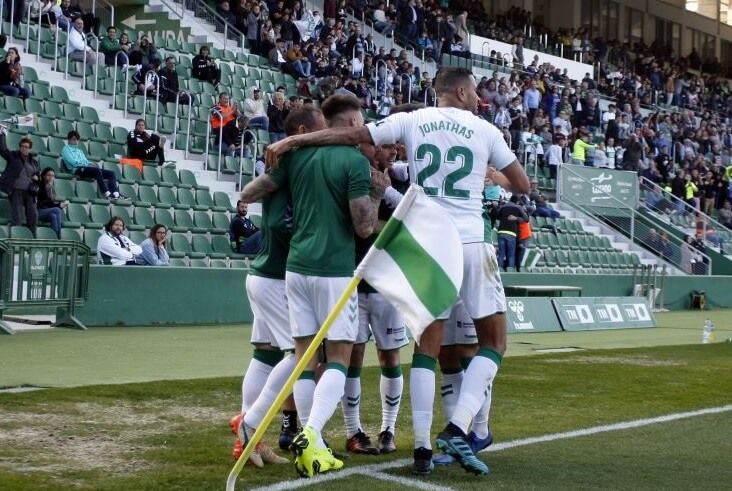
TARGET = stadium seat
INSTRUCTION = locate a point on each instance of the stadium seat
(144, 218)
(168, 197)
(71, 234)
(218, 263)
(183, 219)
(203, 221)
(199, 263)
(180, 245)
(91, 237)
(99, 214)
(122, 212)
(220, 221)
(178, 262)
(149, 197)
(20, 232)
(170, 178)
(186, 197)
(221, 199)
(165, 217)
(76, 215)
(87, 192)
(238, 264)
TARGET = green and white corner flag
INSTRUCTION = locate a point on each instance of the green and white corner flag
(416, 261)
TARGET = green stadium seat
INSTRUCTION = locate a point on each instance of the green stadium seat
(87, 192)
(89, 115)
(20, 232)
(100, 215)
(202, 245)
(199, 263)
(151, 176)
(203, 222)
(186, 197)
(238, 264)
(550, 259)
(148, 197)
(71, 234)
(220, 221)
(76, 215)
(178, 262)
(221, 199)
(144, 218)
(218, 263)
(563, 241)
(562, 258)
(168, 197)
(184, 219)
(46, 126)
(170, 178)
(137, 236)
(165, 217)
(45, 233)
(180, 244)
(124, 214)
(91, 237)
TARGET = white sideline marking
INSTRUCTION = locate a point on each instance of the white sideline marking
(374, 470)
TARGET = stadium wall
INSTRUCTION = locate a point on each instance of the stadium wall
(135, 296)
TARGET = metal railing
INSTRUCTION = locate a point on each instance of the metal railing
(714, 233)
(126, 68)
(203, 11)
(174, 144)
(214, 111)
(637, 227)
(255, 140)
(44, 273)
(152, 75)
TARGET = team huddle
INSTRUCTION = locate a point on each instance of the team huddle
(331, 185)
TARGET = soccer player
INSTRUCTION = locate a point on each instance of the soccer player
(449, 148)
(331, 201)
(271, 333)
(377, 318)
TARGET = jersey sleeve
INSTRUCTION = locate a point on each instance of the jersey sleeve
(499, 154)
(389, 130)
(279, 175)
(359, 178)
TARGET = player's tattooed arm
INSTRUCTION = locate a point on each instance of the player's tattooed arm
(258, 189)
(365, 210)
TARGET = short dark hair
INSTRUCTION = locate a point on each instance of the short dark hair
(304, 116)
(338, 104)
(73, 134)
(449, 78)
(26, 140)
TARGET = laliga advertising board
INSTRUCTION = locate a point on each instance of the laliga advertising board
(547, 314)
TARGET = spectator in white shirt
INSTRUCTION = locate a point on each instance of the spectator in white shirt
(381, 23)
(255, 111)
(114, 248)
(78, 49)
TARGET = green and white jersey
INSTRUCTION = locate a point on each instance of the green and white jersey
(448, 151)
(321, 181)
(276, 234)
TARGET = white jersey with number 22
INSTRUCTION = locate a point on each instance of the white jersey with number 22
(449, 150)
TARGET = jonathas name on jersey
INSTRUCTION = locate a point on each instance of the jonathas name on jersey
(456, 128)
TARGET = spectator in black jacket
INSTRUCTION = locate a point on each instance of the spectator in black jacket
(49, 209)
(145, 146)
(204, 68)
(20, 180)
(234, 136)
(169, 86)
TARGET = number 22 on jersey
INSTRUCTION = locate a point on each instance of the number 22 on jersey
(438, 177)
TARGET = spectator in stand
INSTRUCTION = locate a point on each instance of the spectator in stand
(145, 146)
(73, 12)
(382, 24)
(153, 252)
(49, 209)
(75, 161)
(115, 248)
(245, 237)
(21, 181)
(144, 53)
(541, 207)
(254, 23)
(235, 138)
(254, 110)
(204, 68)
(633, 155)
(580, 148)
(277, 112)
(657, 200)
(297, 62)
(223, 113)
(725, 214)
(47, 12)
(276, 55)
(169, 85)
(11, 75)
(509, 215)
(599, 156)
(408, 21)
(111, 46)
(78, 49)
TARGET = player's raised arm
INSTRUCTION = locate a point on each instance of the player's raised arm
(258, 189)
(330, 136)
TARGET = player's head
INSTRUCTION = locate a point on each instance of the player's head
(456, 87)
(241, 208)
(304, 120)
(342, 110)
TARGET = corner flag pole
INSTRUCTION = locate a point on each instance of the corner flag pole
(319, 336)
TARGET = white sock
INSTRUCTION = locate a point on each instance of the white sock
(351, 404)
(271, 389)
(450, 392)
(107, 194)
(391, 388)
(253, 382)
(422, 392)
(327, 395)
(477, 378)
(480, 422)
(303, 391)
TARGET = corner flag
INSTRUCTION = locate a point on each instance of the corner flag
(416, 261)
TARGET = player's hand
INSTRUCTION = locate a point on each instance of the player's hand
(379, 182)
(275, 150)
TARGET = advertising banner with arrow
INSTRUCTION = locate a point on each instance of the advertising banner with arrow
(590, 186)
(153, 24)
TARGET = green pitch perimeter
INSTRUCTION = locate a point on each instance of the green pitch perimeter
(66, 358)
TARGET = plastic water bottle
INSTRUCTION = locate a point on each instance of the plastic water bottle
(707, 332)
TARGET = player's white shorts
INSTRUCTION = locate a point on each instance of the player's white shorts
(459, 328)
(311, 298)
(379, 317)
(482, 289)
(269, 305)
